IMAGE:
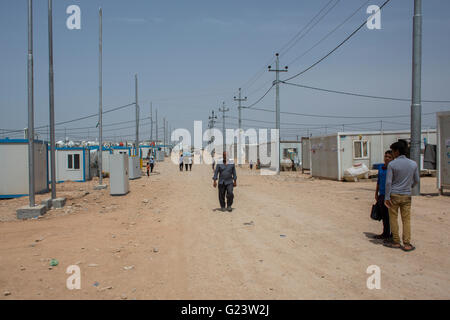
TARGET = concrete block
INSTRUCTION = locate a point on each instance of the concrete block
(28, 212)
(100, 187)
(47, 202)
(59, 202)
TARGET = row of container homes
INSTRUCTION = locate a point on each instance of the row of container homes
(71, 164)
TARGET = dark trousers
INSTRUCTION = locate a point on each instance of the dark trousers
(186, 166)
(190, 166)
(151, 167)
(226, 190)
(384, 216)
(181, 167)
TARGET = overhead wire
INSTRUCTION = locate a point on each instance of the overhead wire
(336, 48)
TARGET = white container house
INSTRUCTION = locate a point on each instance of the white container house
(332, 154)
(306, 154)
(121, 150)
(443, 151)
(14, 167)
(145, 151)
(72, 164)
(94, 159)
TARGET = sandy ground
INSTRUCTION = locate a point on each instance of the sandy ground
(289, 237)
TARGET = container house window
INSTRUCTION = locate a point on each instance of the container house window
(360, 149)
(73, 161)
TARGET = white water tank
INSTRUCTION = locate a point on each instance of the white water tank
(134, 167)
(119, 179)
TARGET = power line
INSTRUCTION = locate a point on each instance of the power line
(337, 47)
(91, 116)
(329, 33)
(340, 117)
(258, 75)
(361, 95)
(260, 98)
(307, 31)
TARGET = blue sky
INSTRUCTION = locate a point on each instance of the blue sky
(192, 55)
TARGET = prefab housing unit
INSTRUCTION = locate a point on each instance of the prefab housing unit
(306, 154)
(145, 151)
(443, 151)
(14, 167)
(332, 154)
(71, 164)
(121, 150)
(159, 155)
(94, 157)
(291, 149)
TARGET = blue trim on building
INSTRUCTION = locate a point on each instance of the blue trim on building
(11, 196)
(72, 148)
(97, 148)
(122, 148)
(61, 181)
(7, 140)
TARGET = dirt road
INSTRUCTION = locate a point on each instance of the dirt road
(289, 237)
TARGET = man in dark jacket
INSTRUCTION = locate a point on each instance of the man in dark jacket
(227, 180)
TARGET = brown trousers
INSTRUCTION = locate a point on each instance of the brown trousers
(402, 202)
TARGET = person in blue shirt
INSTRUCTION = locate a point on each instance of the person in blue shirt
(380, 194)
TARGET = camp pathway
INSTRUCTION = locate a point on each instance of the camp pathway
(288, 237)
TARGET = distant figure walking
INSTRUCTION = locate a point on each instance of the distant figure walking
(152, 164)
(251, 164)
(226, 172)
(181, 162)
(379, 196)
(186, 162)
(190, 163)
(402, 175)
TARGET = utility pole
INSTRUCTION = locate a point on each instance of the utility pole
(277, 102)
(100, 101)
(169, 135)
(212, 121)
(30, 106)
(416, 106)
(151, 122)
(164, 131)
(136, 148)
(167, 132)
(51, 99)
(156, 127)
(223, 110)
(239, 100)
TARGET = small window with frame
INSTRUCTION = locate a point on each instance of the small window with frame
(70, 161)
(73, 161)
(360, 149)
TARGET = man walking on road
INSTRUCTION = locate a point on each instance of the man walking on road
(152, 164)
(227, 180)
(402, 175)
(181, 162)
